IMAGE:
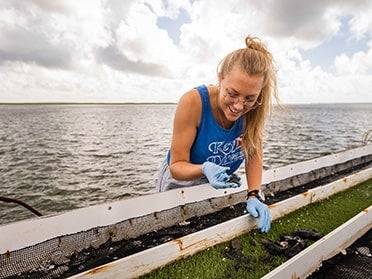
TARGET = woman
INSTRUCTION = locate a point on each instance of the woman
(217, 127)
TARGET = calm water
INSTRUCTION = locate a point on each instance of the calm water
(60, 157)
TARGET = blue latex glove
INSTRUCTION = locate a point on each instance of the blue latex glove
(217, 176)
(260, 210)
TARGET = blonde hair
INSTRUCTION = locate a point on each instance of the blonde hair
(255, 59)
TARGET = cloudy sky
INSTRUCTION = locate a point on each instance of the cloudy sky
(154, 50)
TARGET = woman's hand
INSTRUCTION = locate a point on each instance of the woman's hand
(218, 177)
(258, 209)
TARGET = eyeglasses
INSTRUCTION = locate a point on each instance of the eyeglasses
(232, 98)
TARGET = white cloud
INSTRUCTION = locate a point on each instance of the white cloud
(139, 38)
(170, 8)
(359, 64)
(361, 23)
(114, 50)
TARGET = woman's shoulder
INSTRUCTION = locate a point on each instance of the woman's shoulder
(197, 94)
(189, 108)
(191, 98)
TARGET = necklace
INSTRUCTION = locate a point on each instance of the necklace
(219, 111)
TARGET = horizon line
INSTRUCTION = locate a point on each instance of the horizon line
(153, 103)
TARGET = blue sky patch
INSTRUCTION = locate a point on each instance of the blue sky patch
(172, 26)
(342, 43)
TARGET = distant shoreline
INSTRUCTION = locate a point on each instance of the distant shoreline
(88, 103)
(155, 103)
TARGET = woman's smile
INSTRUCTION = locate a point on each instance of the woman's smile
(233, 113)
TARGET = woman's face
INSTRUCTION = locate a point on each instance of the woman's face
(239, 93)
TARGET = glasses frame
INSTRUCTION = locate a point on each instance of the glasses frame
(236, 99)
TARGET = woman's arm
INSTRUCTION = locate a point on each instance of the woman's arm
(254, 206)
(253, 169)
(186, 123)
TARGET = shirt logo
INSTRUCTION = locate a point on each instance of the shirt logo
(226, 153)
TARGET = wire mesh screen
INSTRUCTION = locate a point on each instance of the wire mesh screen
(355, 264)
(55, 257)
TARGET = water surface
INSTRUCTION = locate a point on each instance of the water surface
(60, 157)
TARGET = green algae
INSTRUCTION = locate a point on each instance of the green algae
(251, 260)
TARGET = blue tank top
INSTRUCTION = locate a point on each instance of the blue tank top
(214, 143)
